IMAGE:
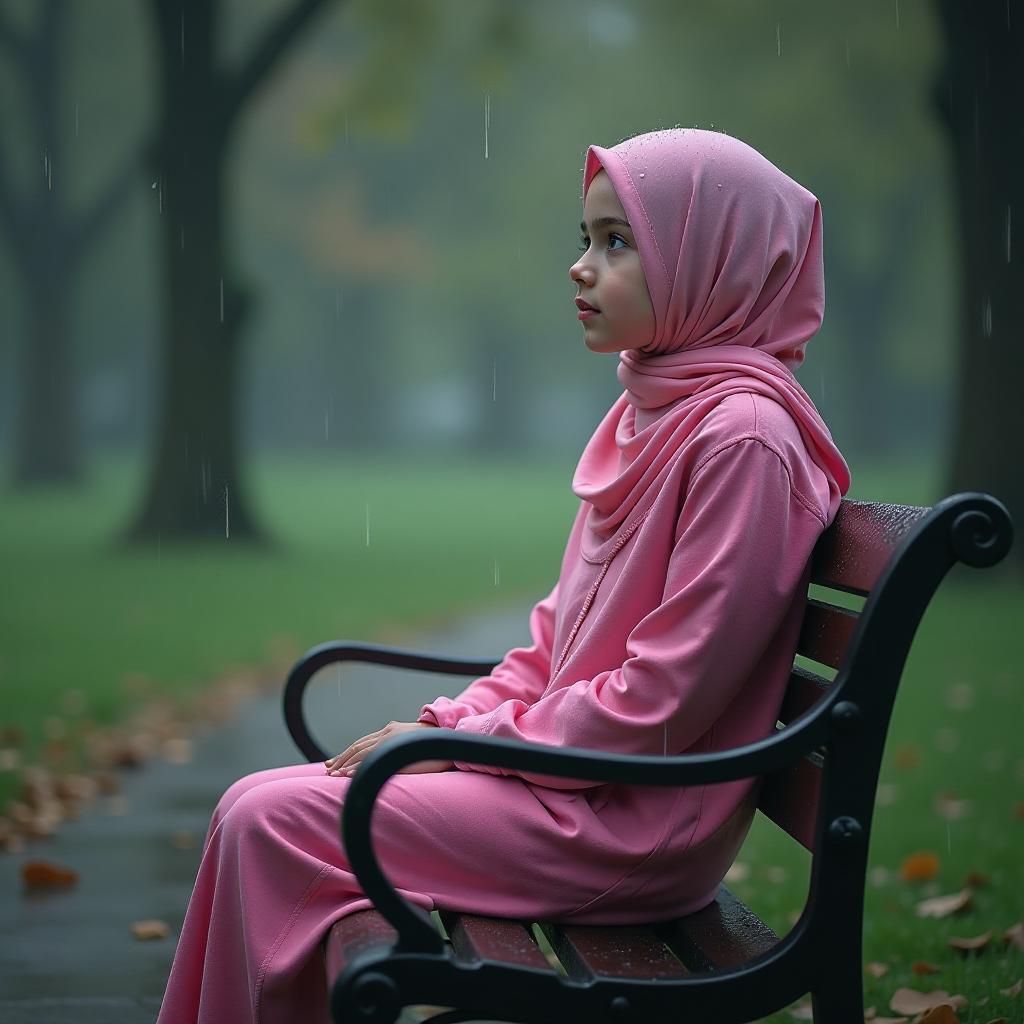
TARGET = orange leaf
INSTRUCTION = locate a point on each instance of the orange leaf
(151, 929)
(941, 1014)
(923, 967)
(919, 866)
(975, 945)
(907, 756)
(41, 874)
(909, 1000)
(943, 906)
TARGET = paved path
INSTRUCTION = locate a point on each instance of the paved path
(69, 956)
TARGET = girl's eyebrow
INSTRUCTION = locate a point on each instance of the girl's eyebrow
(601, 222)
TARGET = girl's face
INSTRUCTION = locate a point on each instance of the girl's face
(609, 275)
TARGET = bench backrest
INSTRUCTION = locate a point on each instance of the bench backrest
(894, 556)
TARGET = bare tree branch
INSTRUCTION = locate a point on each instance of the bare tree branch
(276, 41)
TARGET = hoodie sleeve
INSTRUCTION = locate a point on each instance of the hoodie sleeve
(741, 546)
(521, 675)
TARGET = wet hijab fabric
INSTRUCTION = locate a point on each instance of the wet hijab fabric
(731, 248)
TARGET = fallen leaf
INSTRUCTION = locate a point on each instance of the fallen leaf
(951, 808)
(9, 759)
(151, 929)
(41, 874)
(1018, 810)
(886, 794)
(919, 866)
(976, 880)
(890, 1020)
(1014, 990)
(1014, 935)
(974, 945)
(943, 906)
(737, 872)
(907, 756)
(909, 1000)
(876, 969)
(869, 1012)
(941, 1014)
(923, 967)
(879, 876)
(998, 1020)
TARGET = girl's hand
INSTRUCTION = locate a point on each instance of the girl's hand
(350, 758)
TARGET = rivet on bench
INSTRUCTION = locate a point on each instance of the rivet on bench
(619, 1009)
(846, 716)
(845, 831)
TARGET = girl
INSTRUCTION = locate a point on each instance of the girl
(671, 628)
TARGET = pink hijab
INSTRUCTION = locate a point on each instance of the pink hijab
(731, 251)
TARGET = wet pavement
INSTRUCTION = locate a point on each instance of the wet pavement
(68, 956)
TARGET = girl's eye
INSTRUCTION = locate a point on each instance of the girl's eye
(586, 241)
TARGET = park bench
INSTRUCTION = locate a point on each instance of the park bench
(819, 773)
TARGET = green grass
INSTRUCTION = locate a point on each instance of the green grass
(79, 613)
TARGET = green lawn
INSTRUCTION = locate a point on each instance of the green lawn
(368, 547)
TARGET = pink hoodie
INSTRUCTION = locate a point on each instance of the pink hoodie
(673, 624)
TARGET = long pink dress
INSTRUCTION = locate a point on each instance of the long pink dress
(680, 638)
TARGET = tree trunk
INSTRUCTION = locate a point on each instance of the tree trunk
(195, 488)
(979, 95)
(47, 443)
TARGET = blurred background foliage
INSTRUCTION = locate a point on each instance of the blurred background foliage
(402, 200)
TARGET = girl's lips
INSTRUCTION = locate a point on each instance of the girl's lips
(586, 314)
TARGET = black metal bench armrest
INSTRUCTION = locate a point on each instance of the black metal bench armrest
(415, 929)
(347, 650)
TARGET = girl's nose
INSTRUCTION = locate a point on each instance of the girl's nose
(579, 271)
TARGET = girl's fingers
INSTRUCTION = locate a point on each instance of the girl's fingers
(333, 762)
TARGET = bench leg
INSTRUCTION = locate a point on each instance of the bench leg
(840, 997)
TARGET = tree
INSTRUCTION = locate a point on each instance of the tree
(979, 95)
(195, 487)
(49, 242)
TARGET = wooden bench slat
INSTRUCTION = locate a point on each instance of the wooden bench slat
(353, 934)
(852, 553)
(476, 938)
(622, 951)
(825, 632)
(790, 795)
(725, 933)
(804, 690)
